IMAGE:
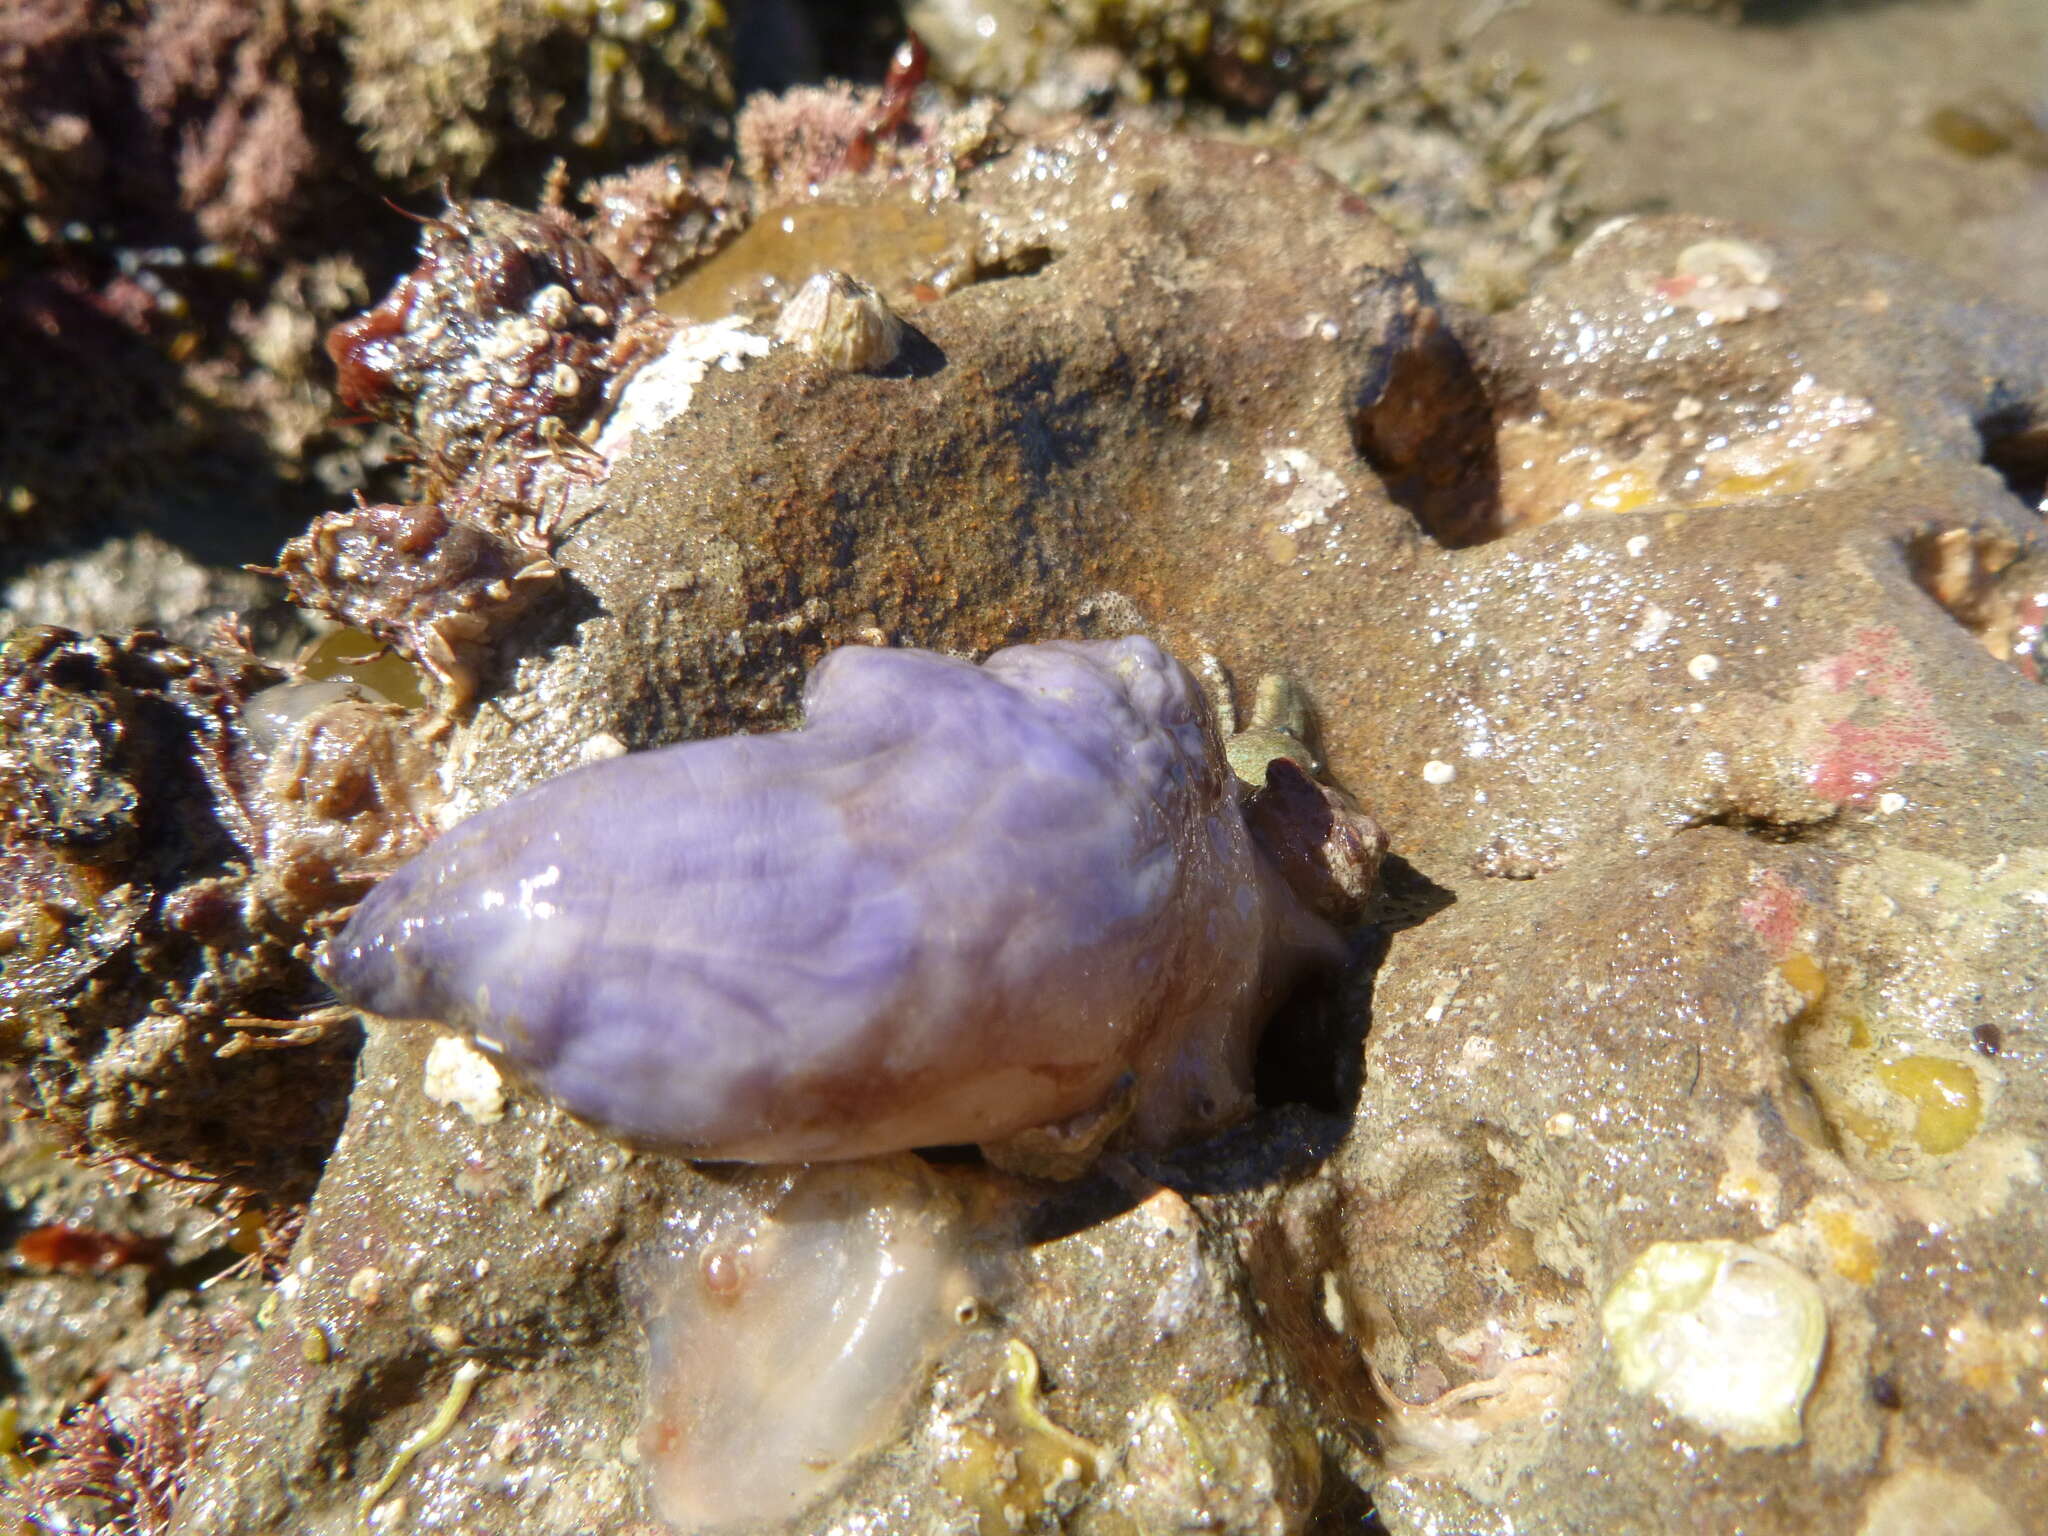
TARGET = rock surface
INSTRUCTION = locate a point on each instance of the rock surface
(1682, 628)
(1677, 625)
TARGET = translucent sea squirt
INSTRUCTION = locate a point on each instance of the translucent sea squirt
(787, 1341)
(961, 902)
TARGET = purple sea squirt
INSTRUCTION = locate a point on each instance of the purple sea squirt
(960, 903)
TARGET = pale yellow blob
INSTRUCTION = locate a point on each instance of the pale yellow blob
(1780, 480)
(1805, 975)
(1011, 1466)
(1850, 1249)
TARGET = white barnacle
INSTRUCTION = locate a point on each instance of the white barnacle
(1722, 1333)
(842, 321)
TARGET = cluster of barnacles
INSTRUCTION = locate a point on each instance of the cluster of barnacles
(496, 355)
(510, 319)
(437, 586)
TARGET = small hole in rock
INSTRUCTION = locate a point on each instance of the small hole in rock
(1311, 1051)
(950, 1156)
(1300, 1058)
(1028, 262)
(1426, 427)
(2015, 442)
(1991, 584)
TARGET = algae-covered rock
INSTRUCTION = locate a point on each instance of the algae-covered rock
(128, 941)
(443, 88)
(1241, 51)
(171, 825)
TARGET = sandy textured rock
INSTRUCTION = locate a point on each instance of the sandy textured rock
(1566, 1071)
(1114, 426)
(1679, 626)
(529, 1256)
(140, 918)
(435, 1242)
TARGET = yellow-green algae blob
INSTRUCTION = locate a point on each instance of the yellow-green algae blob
(1010, 1466)
(1947, 1107)
(1876, 1090)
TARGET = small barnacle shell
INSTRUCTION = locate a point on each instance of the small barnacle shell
(1723, 1333)
(843, 322)
(960, 903)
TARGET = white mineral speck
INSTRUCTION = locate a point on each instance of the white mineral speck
(1702, 667)
(1656, 621)
(1313, 490)
(1437, 771)
(663, 388)
(1891, 802)
(601, 746)
(1721, 1333)
(1637, 545)
(459, 1074)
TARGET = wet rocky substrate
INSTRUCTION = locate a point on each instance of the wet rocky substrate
(1669, 1154)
